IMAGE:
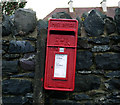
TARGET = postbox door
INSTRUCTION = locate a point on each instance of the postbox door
(61, 81)
(61, 54)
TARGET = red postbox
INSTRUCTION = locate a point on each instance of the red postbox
(61, 54)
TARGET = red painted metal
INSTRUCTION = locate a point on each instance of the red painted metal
(62, 34)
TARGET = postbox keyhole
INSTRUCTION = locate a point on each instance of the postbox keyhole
(52, 67)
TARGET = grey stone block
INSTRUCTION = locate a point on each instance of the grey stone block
(86, 82)
(63, 15)
(9, 67)
(108, 61)
(84, 60)
(94, 24)
(20, 47)
(25, 21)
(16, 87)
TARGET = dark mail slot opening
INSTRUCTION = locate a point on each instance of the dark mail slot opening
(58, 32)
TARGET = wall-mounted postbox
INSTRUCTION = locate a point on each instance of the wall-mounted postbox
(61, 54)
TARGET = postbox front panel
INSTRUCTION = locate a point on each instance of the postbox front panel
(61, 69)
(56, 38)
(61, 54)
(62, 33)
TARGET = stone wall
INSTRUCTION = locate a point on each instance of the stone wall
(98, 62)
(97, 67)
(18, 53)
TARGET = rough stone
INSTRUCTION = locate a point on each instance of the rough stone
(11, 56)
(95, 93)
(114, 95)
(41, 24)
(101, 48)
(9, 67)
(79, 25)
(84, 72)
(111, 102)
(25, 21)
(29, 97)
(12, 17)
(5, 47)
(108, 61)
(6, 26)
(2, 52)
(28, 62)
(99, 40)
(86, 82)
(63, 15)
(0, 27)
(82, 43)
(94, 24)
(64, 102)
(89, 103)
(115, 38)
(83, 60)
(108, 100)
(115, 48)
(16, 87)
(30, 38)
(117, 19)
(101, 14)
(113, 74)
(110, 25)
(113, 98)
(20, 47)
(25, 75)
(60, 95)
(42, 28)
(84, 15)
(97, 72)
(113, 84)
(5, 42)
(81, 97)
(16, 100)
